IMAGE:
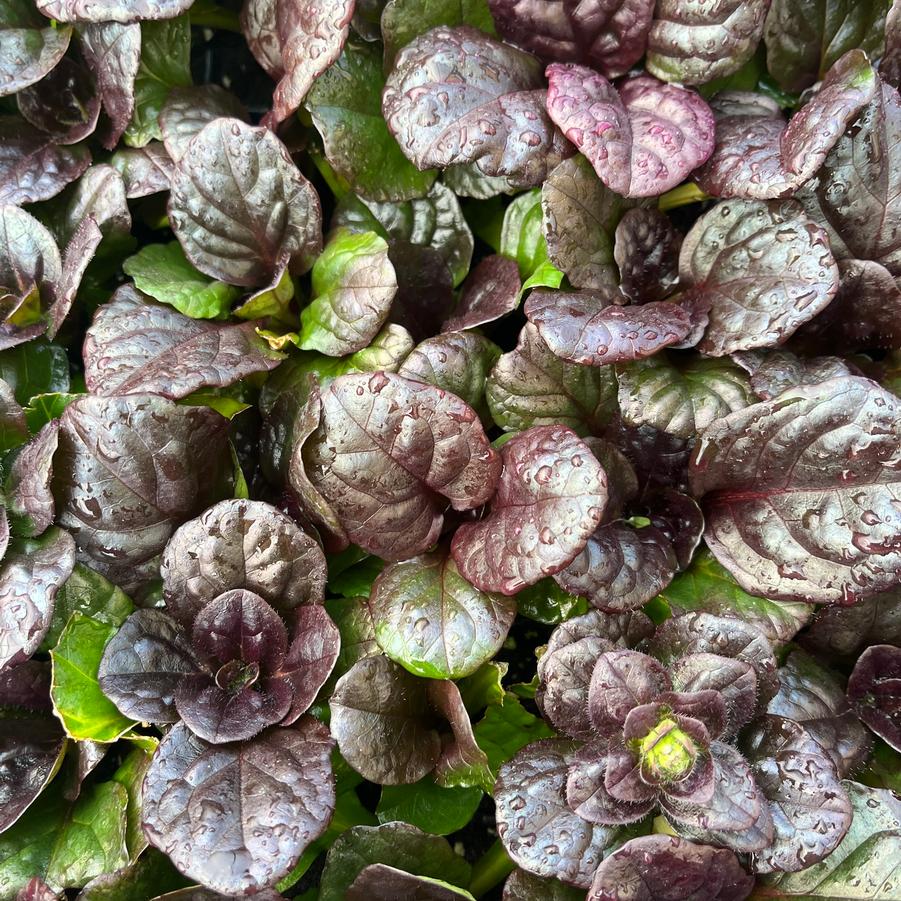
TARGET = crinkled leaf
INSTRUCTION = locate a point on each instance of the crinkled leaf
(457, 96)
(538, 829)
(524, 886)
(13, 427)
(693, 42)
(665, 867)
(29, 501)
(354, 283)
(258, 22)
(345, 102)
(735, 680)
(383, 723)
(531, 386)
(397, 845)
(620, 681)
(111, 10)
(707, 586)
(550, 499)
(593, 328)
(188, 109)
(846, 631)
(239, 205)
(32, 573)
(646, 251)
(580, 214)
(145, 170)
(281, 781)
(491, 291)
(811, 810)
(874, 691)
(813, 697)
(608, 36)
(775, 371)
(107, 481)
(642, 138)
(134, 347)
(417, 442)
(773, 515)
(621, 567)
(29, 47)
(86, 713)
(680, 397)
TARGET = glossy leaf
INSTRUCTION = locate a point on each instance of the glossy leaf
(495, 92)
(550, 498)
(642, 138)
(491, 291)
(428, 806)
(846, 631)
(281, 780)
(874, 689)
(416, 440)
(64, 104)
(646, 251)
(524, 886)
(775, 371)
(225, 189)
(29, 47)
(105, 477)
(855, 420)
(29, 501)
(111, 10)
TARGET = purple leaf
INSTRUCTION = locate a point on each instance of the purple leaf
(769, 491)
(537, 827)
(32, 166)
(79, 252)
(113, 53)
(758, 271)
(310, 34)
(112, 10)
(260, 27)
(490, 292)
(593, 329)
(647, 254)
(239, 205)
(136, 346)
(461, 762)
(846, 631)
(145, 170)
(550, 499)
(874, 691)
(457, 96)
(29, 499)
(143, 665)
(775, 371)
(666, 868)
(419, 443)
(608, 35)
(620, 568)
(425, 293)
(187, 110)
(378, 882)
(246, 544)
(30, 577)
(642, 139)
(383, 723)
(29, 47)
(524, 886)
(108, 478)
(693, 42)
(27, 686)
(735, 680)
(622, 680)
(199, 798)
(759, 157)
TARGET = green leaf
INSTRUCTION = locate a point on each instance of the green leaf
(271, 302)
(240, 490)
(883, 768)
(484, 687)
(356, 580)
(867, 863)
(150, 876)
(45, 407)
(220, 400)
(346, 105)
(91, 594)
(546, 275)
(707, 586)
(403, 20)
(522, 234)
(351, 616)
(163, 272)
(506, 728)
(65, 844)
(546, 602)
(85, 711)
(353, 285)
(37, 367)
(432, 808)
(130, 776)
(165, 64)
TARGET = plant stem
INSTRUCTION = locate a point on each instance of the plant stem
(493, 866)
(682, 196)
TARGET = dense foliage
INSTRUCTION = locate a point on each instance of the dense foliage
(450, 449)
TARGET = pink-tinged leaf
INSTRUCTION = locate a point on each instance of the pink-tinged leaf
(79, 252)
(281, 781)
(311, 34)
(663, 867)
(135, 346)
(758, 272)
(310, 658)
(874, 691)
(461, 762)
(623, 680)
(145, 170)
(32, 166)
(457, 96)
(490, 291)
(647, 254)
(802, 492)
(239, 205)
(642, 139)
(759, 157)
(29, 499)
(775, 371)
(113, 53)
(187, 110)
(550, 499)
(112, 10)
(594, 329)
(260, 27)
(695, 41)
(389, 451)
(29, 47)
(588, 796)
(608, 35)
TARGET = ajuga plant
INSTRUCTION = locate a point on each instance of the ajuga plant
(450, 449)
